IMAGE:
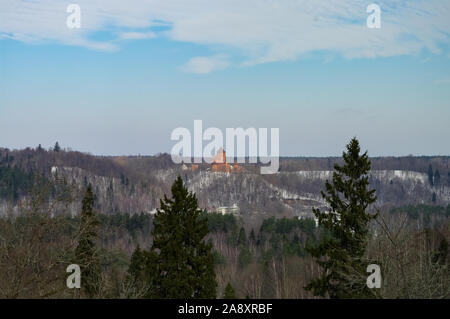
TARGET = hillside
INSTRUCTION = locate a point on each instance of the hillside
(135, 184)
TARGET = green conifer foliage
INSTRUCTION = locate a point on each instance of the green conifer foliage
(86, 253)
(341, 254)
(229, 293)
(182, 263)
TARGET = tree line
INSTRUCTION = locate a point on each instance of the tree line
(184, 252)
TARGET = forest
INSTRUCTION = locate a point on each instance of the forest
(184, 251)
(270, 261)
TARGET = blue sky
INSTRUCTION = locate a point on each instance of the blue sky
(136, 70)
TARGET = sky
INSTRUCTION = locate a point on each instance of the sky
(137, 69)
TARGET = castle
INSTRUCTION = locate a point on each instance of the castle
(219, 163)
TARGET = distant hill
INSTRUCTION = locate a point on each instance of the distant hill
(135, 184)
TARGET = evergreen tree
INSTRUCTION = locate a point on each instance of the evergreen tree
(340, 254)
(268, 289)
(183, 263)
(242, 239)
(56, 148)
(140, 276)
(441, 255)
(85, 253)
(437, 178)
(430, 174)
(252, 236)
(136, 267)
(229, 293)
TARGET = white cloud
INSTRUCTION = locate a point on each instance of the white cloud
(137, 35)
(259, 31)
(204, 65)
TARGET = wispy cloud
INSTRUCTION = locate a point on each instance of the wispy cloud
(137, 35)
(204, 65)
(259, 30)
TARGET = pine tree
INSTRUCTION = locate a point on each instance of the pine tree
(430, 174)
(437, 178)
(340, 254)
(242, 239)
(57, 148)
(441, 255)
(136, 265)
(252, 236)
(139, 277)
(183, 263)
(86, 253)
(229, 293)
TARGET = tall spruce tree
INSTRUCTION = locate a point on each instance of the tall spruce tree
(242, 238)
(340, 253)
(140, 277)
(137, 262)
(86, 253)
(437, 178)
(430, 174)
(252, 236)
(228, 292)
(182, 262)
(56, 148)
